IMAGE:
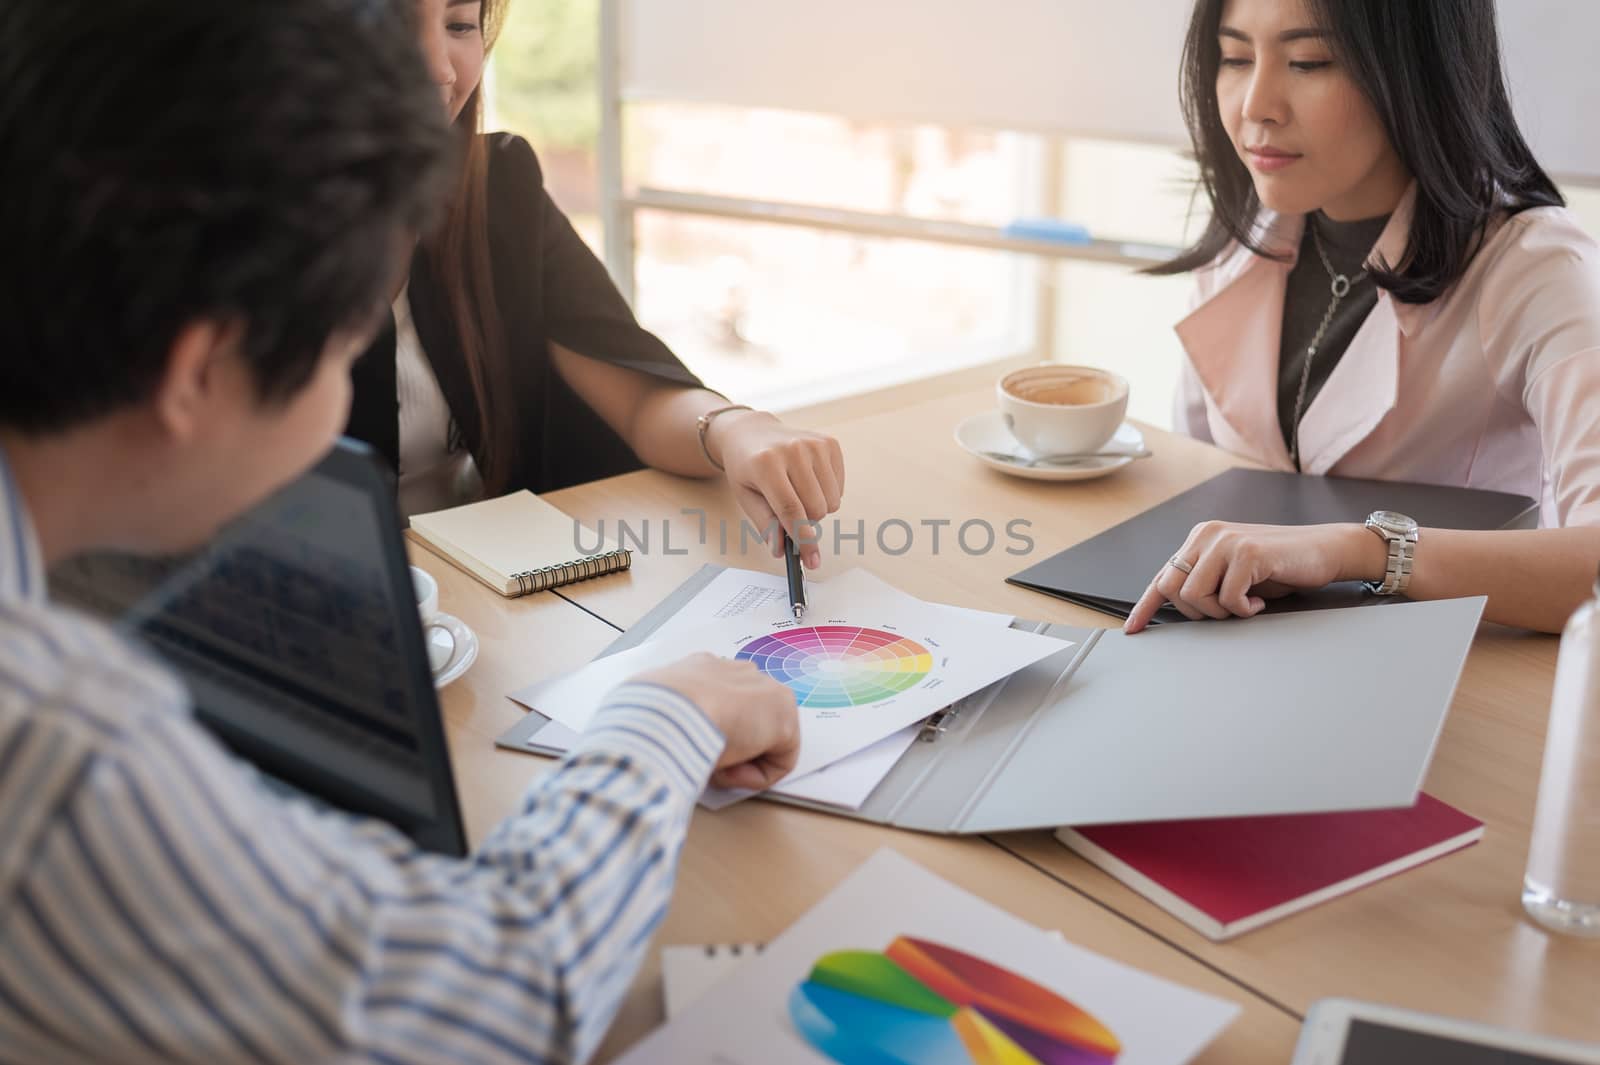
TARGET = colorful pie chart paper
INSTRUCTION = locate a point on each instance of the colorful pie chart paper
(899, 967)
(922, 1003)
(837, 666)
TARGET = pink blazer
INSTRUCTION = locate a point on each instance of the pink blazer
(1494, 385)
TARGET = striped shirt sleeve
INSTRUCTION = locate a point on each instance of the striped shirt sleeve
(177, 911)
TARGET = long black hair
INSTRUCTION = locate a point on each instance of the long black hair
(1431, 70)
(459, 252)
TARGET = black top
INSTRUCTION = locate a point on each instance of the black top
(549, 287)
(1306, 300)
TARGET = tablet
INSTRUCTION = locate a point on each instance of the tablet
(1345, 1032)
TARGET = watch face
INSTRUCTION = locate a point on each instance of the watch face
(1392, 522)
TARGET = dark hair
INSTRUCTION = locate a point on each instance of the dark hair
(1431, 69)
(459, 253)
(262, 163)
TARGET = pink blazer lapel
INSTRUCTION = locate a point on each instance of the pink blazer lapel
(1234, 335)
(1364, 387)
(1358, 395)
(1232, 339)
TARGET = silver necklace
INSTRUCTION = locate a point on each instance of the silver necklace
(1340, 286)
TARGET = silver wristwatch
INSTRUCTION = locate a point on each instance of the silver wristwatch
(1400, 534)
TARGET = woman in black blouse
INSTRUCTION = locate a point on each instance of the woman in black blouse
(544, 378)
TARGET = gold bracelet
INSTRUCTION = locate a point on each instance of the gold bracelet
(703, 424)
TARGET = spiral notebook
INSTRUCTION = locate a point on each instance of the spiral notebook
(518, 544)
(688, 972)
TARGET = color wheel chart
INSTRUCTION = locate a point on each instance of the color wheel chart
(832, 667)
(922, 1003)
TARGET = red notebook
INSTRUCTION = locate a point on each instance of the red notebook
(1225, 876)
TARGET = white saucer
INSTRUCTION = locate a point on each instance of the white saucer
(464, 652)
(987, 432)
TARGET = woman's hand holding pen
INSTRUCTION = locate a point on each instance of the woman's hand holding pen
(782, 476)
(1226, 569)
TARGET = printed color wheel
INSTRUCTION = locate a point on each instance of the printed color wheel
(836, 666)
(921, 1003)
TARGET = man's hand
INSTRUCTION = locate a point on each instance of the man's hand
(755, 714)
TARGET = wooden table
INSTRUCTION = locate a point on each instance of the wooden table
(1448, 937)
(904, 472)
(750, 871)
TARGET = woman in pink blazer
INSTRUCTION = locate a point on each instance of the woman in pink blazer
(1389, 287)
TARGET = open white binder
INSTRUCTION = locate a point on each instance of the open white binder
(1288, 713)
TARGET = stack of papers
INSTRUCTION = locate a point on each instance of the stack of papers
(867, 665)
(898, 967)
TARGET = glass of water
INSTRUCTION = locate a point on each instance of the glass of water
(1561, 889)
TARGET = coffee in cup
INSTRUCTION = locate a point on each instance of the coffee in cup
(1056, 409)
(440, 644)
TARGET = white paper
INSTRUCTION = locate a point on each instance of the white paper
(752, 593)
(734, 593)
(554, 736)
(866, 662)
(688, 972)
(747, 1018)
(849, 781)
(846, 783)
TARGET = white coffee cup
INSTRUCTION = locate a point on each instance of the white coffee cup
(441, 644)
(1056, 409)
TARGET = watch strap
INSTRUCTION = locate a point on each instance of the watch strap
(1401, 558)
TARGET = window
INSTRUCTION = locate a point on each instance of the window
(784, 315)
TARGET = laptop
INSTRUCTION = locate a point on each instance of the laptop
(298, 635)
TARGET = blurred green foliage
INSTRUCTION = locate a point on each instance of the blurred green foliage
(546, 72)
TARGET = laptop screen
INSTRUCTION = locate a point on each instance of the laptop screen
(298, 635)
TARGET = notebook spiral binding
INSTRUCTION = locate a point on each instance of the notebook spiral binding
(546, 577)
(713, 950)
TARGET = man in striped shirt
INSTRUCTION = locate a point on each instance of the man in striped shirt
(205, 204)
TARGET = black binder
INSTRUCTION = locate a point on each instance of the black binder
(1109, 572)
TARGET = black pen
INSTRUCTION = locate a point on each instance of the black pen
(797, 577)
